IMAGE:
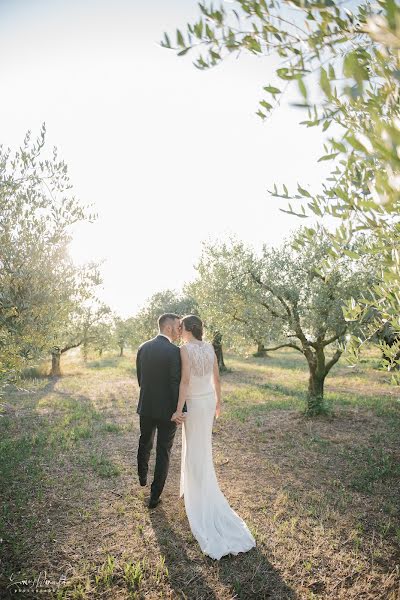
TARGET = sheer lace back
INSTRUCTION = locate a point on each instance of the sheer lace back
(201, 358)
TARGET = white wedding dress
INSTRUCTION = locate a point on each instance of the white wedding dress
(217, 527)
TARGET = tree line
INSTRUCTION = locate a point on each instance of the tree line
(281, 297)
(321, 292)
(48, 305)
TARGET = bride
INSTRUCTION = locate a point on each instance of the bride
(217, 527)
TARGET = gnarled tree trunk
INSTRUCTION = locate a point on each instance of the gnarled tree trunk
(85, 351)
(217, 344)
(315, 395)
(56, 353)
(55, 362)
(319, 369)
(261, 351)
(314, 352)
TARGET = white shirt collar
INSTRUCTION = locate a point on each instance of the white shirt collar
(167, 336)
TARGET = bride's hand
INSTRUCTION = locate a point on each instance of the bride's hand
(217, 410)
(178, 417)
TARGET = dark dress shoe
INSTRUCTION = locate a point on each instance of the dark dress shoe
(153, 502)
(142, 482)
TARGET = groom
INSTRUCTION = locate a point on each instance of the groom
(158, 369)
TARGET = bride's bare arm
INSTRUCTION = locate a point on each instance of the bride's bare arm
(217, 385)
(183, 386)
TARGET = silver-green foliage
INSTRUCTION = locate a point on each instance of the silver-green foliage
(352, 52)
(281, 296)
(166, 301)
(38, 282)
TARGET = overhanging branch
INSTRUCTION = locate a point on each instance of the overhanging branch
(66, 348)
(284, 346)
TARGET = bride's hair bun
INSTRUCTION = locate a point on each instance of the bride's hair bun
(194, 325)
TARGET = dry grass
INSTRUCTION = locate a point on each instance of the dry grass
(321, 496)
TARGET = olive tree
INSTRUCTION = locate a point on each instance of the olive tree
(37, 210)
(94, 322)
(159, 303)
(181, 303)
(101, 335)
(283, 295)
(81, 311)
(124, 333)
(348, 54)
(240, 321)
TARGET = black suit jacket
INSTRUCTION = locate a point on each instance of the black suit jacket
(158, 369)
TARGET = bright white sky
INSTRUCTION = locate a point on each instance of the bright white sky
(169, 155)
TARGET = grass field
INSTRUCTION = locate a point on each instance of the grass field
(320, 496)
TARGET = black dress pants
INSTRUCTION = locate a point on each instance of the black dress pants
(165, 438)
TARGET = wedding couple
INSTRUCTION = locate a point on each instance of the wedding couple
(182, 386)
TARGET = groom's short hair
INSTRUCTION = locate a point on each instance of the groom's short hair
(162, 319)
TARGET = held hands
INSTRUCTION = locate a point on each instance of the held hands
(178, 417)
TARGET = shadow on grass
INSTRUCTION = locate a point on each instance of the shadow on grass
(284, 397)
(281, 360)
(248, 575)
(22, 477)
(340, 398)
(185, 577)
(259, 399)
(284, 390)
(30, 442)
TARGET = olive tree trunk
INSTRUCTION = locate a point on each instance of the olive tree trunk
(318, 370)
(261, 351)
(315, 395)
(217, 344)
(314, 352)
(56, 354)
(85, 351)
(55, 363)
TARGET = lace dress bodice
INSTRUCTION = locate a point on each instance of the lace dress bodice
(201, 359)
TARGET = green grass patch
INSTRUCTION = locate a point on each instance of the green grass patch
(252, 401)
(370, 465)
(317, 485)
(111, 428)
(120, 364)
(103, 466)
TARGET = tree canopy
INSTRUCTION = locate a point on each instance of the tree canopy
(281, 296)
(39, 285)
(351, 52)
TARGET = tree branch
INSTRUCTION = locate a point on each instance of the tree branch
(272, 311)
(334, 337)
(71, 346)
(299, 332)
(333, 361)
(284, 346)
(272, 291)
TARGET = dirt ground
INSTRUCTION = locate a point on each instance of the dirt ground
(320, 496)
